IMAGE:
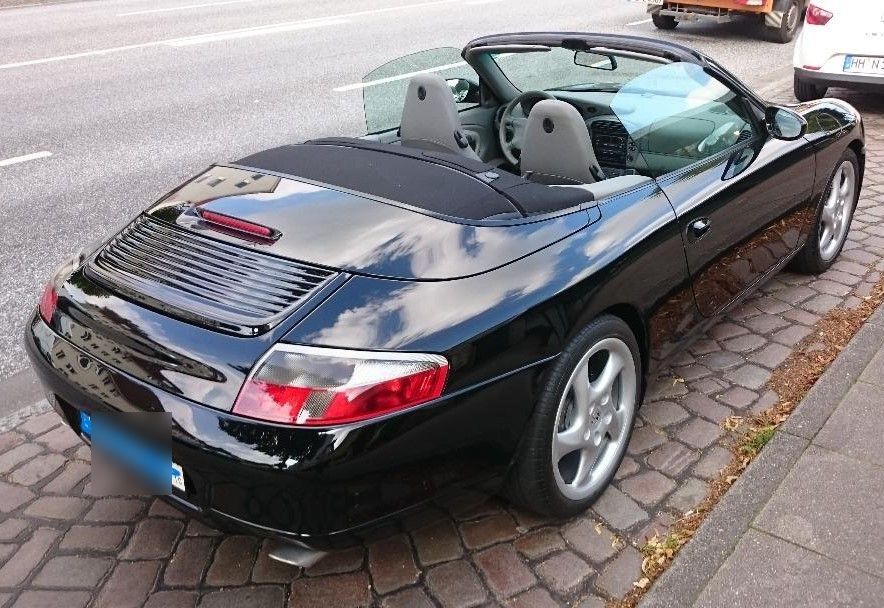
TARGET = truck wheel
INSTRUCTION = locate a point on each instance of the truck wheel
(807, 91)
(664, 22)
(788, 25)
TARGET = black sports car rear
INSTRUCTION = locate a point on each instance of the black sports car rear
(347, 330)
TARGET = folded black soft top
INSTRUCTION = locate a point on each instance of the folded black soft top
(438, 182)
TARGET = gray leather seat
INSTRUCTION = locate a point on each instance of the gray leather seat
(556, 148)
(429, 118)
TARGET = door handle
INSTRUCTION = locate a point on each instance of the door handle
(699, 228)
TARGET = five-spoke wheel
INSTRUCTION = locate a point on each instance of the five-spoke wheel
(834, 214)
(582, 423)
(594, 415)
(837, 209)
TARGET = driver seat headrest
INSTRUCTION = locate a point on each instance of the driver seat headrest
(429, 117)
(557, 147)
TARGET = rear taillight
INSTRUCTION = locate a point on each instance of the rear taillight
(48, 302)
(312, 386)
(817, 15)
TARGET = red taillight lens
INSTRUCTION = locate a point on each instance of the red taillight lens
(311, 386)
(233, 223)
(48, 302)
(817, 15)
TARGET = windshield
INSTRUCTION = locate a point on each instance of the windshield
(678, 113)
(563, 69)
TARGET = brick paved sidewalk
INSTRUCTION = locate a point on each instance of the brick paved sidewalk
(62, 546)
(809, 512)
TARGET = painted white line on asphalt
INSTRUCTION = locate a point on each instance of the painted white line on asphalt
(257, 31)
(7, 8)
(639, 22)
(228, 34)
(23, 159)
(114, 49)
(371, 83)
(182, 8)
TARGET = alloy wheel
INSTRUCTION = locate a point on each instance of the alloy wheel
(594, 418)
(837, 210)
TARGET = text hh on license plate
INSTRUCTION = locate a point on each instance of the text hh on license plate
(864, 65)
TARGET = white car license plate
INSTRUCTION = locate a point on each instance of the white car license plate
(177, 477)
(654, 2)
(864, 65)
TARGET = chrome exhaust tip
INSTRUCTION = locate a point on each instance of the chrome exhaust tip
(294, 554)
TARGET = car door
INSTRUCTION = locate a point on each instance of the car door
(384, 89)
(742, 198)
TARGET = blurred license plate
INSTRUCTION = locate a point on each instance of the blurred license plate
(864, 65)
(138, 455)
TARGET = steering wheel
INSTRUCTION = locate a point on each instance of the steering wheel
(713, 138)
(512, 128)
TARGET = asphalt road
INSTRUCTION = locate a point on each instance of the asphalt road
(120, 100)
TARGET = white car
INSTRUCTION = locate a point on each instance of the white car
(842, 44)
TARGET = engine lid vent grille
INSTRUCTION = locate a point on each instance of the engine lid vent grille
(202, 280)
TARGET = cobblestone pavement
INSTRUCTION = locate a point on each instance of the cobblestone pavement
(61, 546)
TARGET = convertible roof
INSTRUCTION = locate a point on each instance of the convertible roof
(588, 40)
(439, 182)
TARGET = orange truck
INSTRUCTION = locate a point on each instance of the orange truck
(780, 17)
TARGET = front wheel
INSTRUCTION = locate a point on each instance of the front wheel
(807, 91)
(833, 218)
(577, 436)
(791, 19)
(664, 22)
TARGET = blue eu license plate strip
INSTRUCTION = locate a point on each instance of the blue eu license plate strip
(85, 424)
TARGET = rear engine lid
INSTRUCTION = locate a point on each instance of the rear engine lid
(238, 249)
(329, 227)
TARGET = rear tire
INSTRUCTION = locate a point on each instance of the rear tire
(664, 22)
(835, 214)
(582, 423)
(807, 91)
(790, 22)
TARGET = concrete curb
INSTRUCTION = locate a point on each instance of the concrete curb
(701, 558)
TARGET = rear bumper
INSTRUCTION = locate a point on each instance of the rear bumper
(836, 79)
(323, 488)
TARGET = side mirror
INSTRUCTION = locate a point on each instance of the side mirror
(463, 90)
(783, 123)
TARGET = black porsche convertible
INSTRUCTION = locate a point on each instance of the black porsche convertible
(469, 298)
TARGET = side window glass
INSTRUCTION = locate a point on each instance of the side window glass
(678, 114)
(383, 89)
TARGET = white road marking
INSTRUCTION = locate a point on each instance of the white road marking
(23, 159)
(230, 34)
(249, 32)
(478, 2)
(639, 22)
(371, 83)
(182, 8)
